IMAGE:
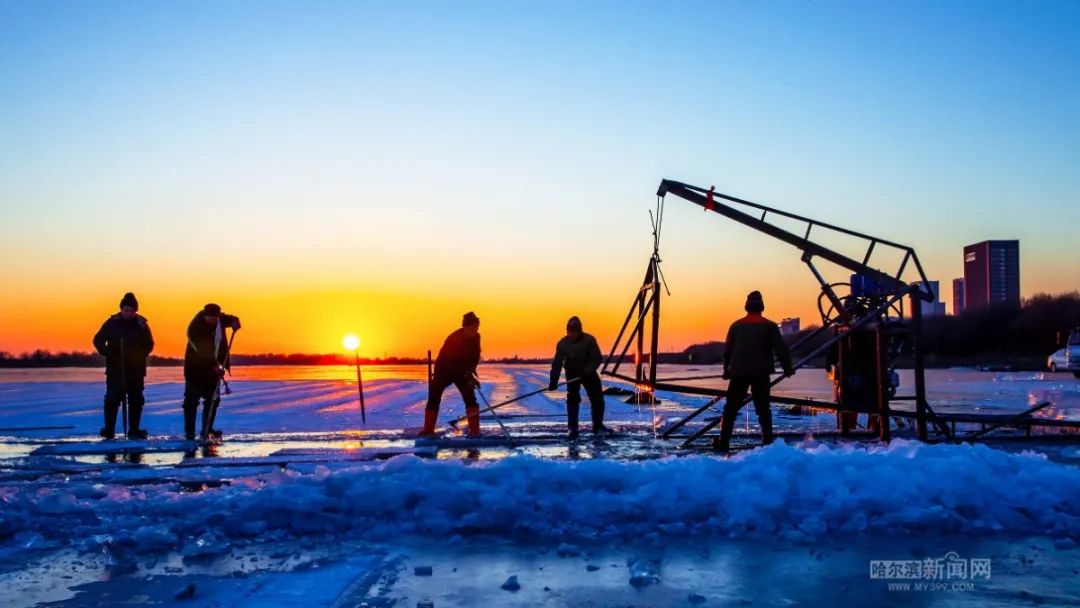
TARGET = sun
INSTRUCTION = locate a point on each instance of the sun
(351, 342)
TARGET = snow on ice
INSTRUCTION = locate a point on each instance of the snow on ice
(796, 492)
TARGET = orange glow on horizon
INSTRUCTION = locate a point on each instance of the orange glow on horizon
(395, 324)
(405, 308)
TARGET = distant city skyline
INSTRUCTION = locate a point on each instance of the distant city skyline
(958, 296)
(936, 308)
(991, 273)
(382, 168)
(790, 326)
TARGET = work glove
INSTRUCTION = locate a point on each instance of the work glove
(554, 384)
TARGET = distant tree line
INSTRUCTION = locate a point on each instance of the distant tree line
(1021, 337)
(1033, 329)
(44, 358)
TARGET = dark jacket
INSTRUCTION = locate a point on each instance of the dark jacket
(133, 337)
(579, 357)
(459, 355)
(202, 356)
(751, 343)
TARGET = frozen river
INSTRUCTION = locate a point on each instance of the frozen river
(799, 523)
(300, 399)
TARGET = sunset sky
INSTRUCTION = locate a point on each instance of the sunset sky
(380, 168)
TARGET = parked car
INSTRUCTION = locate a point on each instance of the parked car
(1068, 357)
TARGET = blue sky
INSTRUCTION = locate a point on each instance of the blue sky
(497, 150)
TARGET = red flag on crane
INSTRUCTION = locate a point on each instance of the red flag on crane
(709, 205)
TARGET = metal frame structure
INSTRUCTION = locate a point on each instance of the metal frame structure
(848, 318)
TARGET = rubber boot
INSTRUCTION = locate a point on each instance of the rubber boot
(430, 417)
(134, 418)
(189, 422)
(572, 410)
(727, 427)
(109, 430)
(598, 418)
(472, 414)
(765, 422)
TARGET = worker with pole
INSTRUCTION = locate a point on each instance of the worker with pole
(206, 359)
(456, 365)
(353, 343)
(751, 344)
(580, 355)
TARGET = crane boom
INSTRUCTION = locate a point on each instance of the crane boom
(714, 201)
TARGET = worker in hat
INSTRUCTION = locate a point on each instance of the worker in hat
(456, 364)
(205, 361)
(751, 344)
(126, 342)
(579, 354)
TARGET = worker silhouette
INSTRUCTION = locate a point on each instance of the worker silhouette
(579, 354)
(456, 365)
(751, 343)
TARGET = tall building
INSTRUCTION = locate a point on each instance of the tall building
(958, 296)
(991, 274)
(935, 308)
(789, 326)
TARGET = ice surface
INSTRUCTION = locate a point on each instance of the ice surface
(272, 399)
(567, 550)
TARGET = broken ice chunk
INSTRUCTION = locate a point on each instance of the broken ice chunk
(511, 584)
(644, 572)
(186, 593)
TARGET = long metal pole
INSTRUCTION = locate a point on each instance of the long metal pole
(639, 354)
(1012, 420)
(210, 415)
(654, 351)
(920, 367)
(360, 387)
(123, 386)
(490, 408)
(882, 373)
